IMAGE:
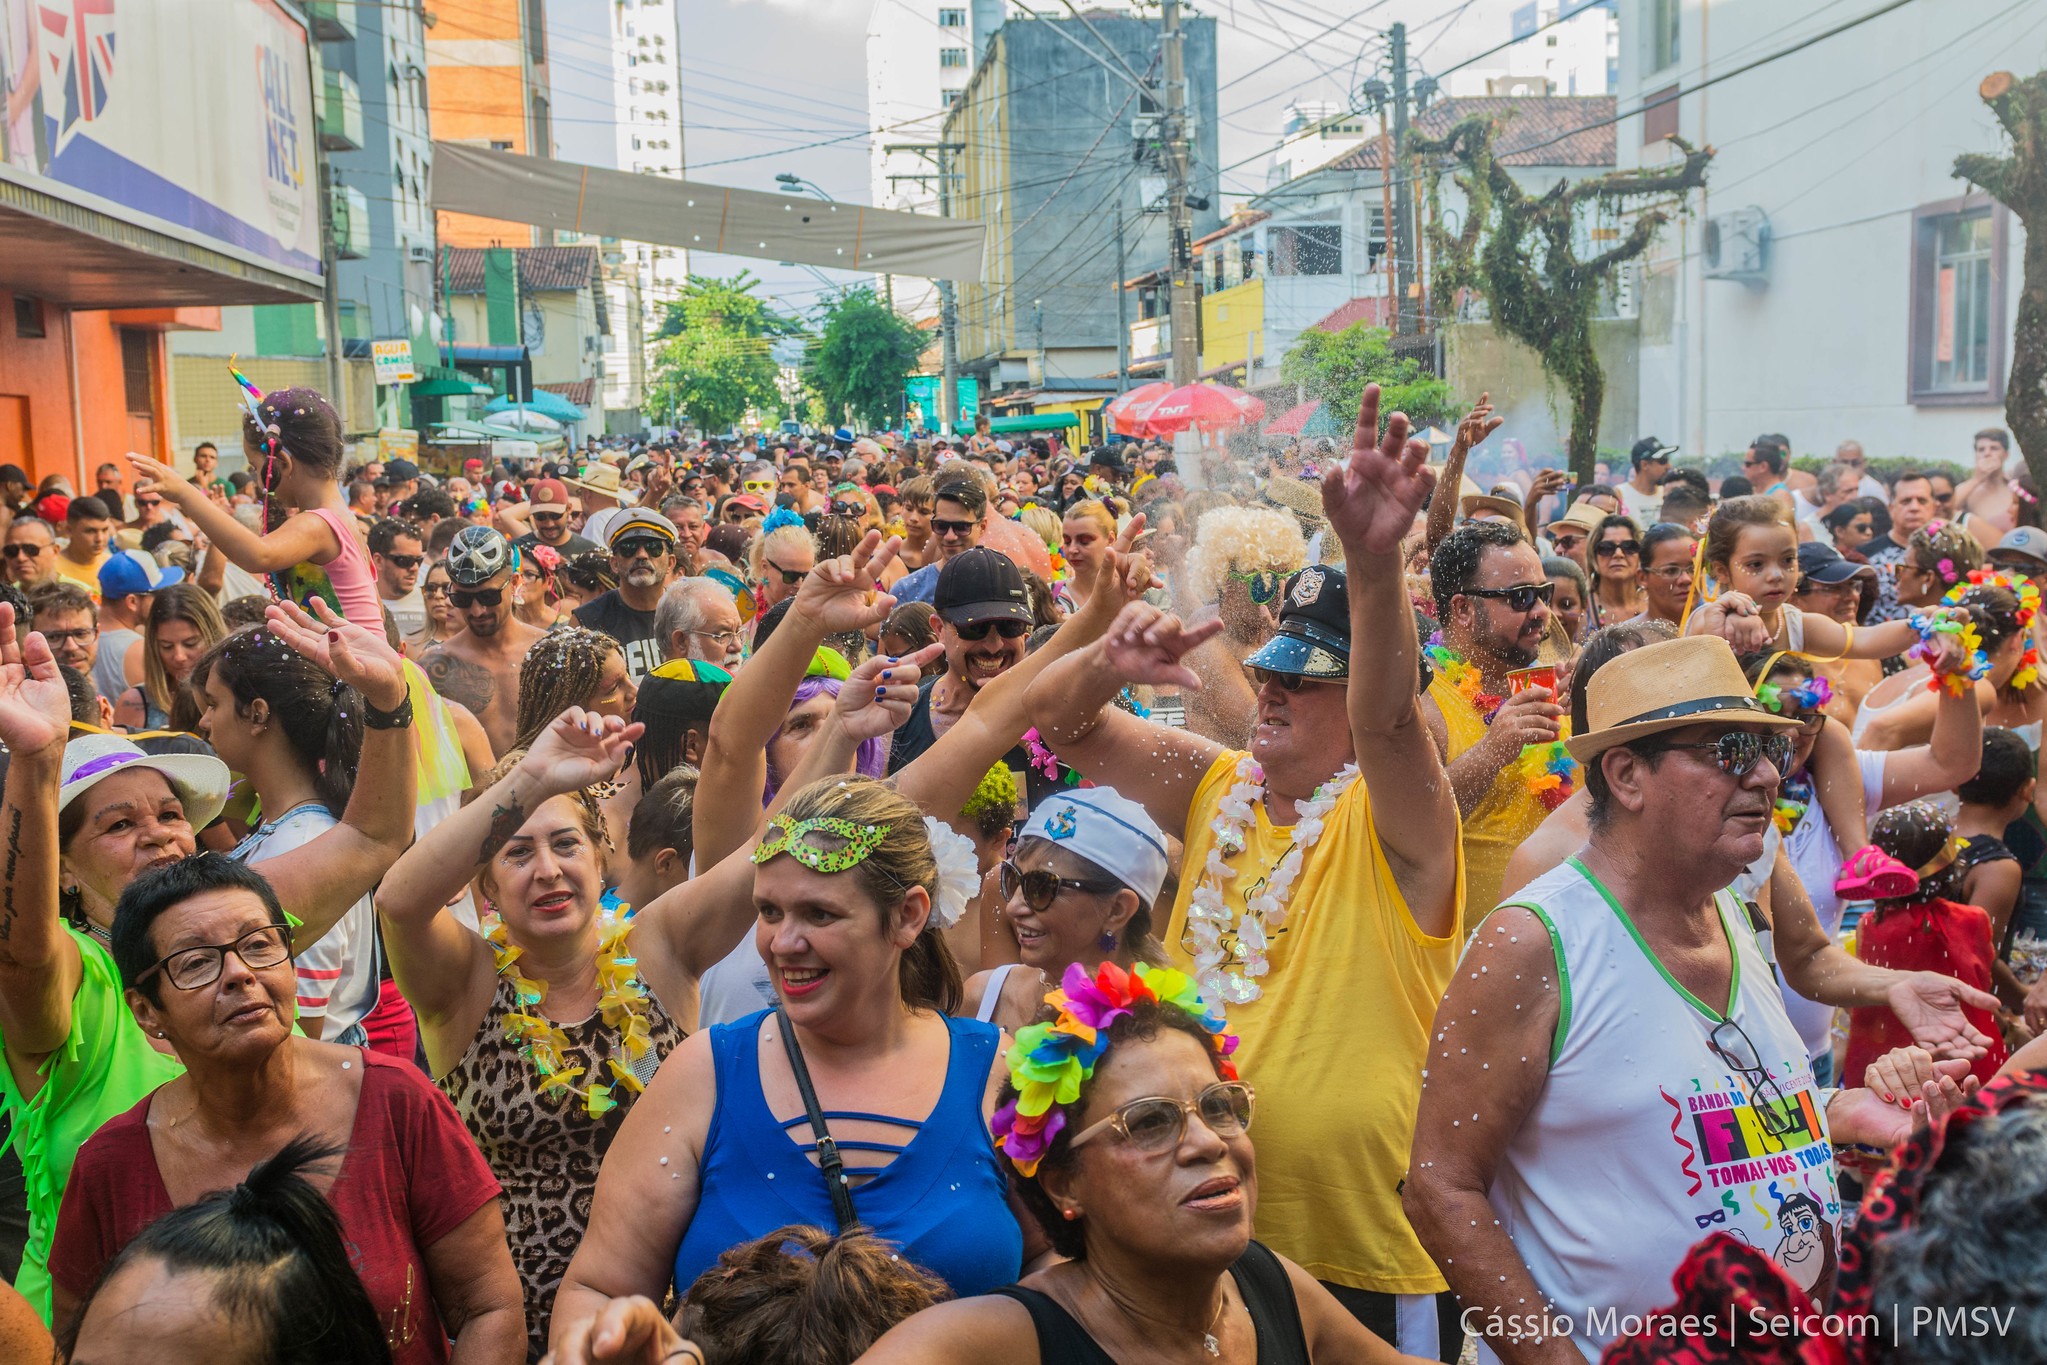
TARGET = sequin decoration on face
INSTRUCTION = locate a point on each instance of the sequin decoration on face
(793, 838)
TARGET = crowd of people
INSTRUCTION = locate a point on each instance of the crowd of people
(830, 899)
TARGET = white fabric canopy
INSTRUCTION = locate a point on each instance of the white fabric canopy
(648, 208)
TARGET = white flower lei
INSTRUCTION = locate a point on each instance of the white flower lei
(1216, 945)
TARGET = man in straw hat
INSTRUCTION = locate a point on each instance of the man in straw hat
(1321, 894)
(1612, 1074)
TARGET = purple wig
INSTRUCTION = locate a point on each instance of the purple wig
(869, 760)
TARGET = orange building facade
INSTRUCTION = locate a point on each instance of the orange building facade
(487, 86)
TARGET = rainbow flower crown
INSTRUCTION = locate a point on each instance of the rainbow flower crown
(1049, 1062)
(1809, 695)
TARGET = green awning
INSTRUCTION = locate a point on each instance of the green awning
(449, 388)
(1048, 421)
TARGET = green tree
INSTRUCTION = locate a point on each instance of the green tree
(712, 356)
(2019, 182)
(1336, 366)
(1519, 252)
(863, 353)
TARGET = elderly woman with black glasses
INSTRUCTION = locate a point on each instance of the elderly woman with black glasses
(205, 956)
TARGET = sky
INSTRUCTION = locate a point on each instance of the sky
(766, 78)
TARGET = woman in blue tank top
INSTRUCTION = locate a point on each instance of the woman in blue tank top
(720, 1150)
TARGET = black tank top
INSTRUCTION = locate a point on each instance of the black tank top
(1261, 1280)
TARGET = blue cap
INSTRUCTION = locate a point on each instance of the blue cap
(132, 571)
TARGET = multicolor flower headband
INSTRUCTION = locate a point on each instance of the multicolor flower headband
(791, 837)
(1809, 695)
(2021, 588)
(1048, 1063)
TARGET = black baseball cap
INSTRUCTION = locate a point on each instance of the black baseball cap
(399, 471)
(1313, 638)
(1650, 448)
(981, 585)
(1822, 563)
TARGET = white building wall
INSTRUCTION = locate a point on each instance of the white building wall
(1839, 145)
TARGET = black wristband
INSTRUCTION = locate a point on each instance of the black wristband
(398, 719)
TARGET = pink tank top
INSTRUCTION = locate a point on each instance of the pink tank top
(355, 584)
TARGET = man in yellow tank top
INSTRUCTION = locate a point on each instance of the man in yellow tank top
(1320, 891)
(1492, 599)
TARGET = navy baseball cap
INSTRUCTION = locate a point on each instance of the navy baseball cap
(1821, 563)
(1313, 638)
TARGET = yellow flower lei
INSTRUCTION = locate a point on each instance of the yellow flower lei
(623, 1003)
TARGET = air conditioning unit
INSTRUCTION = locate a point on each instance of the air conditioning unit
(422, 254)
(1737, 246)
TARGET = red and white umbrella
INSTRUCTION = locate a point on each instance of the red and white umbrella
(1208, 407)
(1126, 412)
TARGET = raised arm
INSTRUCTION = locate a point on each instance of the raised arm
(1156, 766)
(945, 775)
(39, 964)
(303, 537)
(838, 595)
(319, 881)
(1478, 424)
(1370, 502)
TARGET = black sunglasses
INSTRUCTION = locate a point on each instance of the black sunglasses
(790, 577)
(1619, 547)
(849, 509)
(1040, 887)
(488, 597)
(1520, 597)
(407, 562)
(1738, 751)
(978, 630)
(943, 527)
(632, 546)
(1288, 682)
(17, 551)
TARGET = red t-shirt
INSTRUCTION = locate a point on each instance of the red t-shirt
(1922, 936)
(410, 1176)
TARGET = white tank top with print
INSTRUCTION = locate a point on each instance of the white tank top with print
(1644, 1138)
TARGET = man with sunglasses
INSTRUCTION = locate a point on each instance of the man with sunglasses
(1493, 601)
(478, 666)
(1612, 1074)
(1319, 887)
(31, 552)
(549, 515)
(396, 552)
(643, 558)
(959, 506)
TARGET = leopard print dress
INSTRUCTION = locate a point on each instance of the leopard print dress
(545, 1152)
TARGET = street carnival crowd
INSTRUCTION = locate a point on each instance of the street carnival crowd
(787, 899)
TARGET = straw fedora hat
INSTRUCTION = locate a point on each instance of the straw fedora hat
(601, 478)
(1668, 686)
(1581, 515)
(1296, 495)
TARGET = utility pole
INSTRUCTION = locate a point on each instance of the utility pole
(1122, 308)
(1386, 217)
(1403, 193)
(1186, 365)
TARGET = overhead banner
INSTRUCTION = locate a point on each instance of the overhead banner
(753, 223)
(189, 115)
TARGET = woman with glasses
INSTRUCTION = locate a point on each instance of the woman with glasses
(183, 623)
(205, 957)
(1851, 526)
(442, 620)
(1614, 559)
(778, 561)
(1668, 552)
(1126, 1133)
(90, 815)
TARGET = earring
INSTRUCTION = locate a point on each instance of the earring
(1108, 942)
(159, 1033)
(1070, 1214)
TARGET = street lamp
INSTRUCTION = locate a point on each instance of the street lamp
(792, 183)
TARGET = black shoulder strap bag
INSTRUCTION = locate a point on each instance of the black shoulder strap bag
(830, 1163)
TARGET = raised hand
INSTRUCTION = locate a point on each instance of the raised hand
(1146, 645)
(581, 748)
(35, 706)
(1372, 500)
(842, 594)
(1480, 423)
(361, 658)
(154, 474)
(879, 695)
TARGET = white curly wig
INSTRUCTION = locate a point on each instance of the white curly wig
(1247, 539)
